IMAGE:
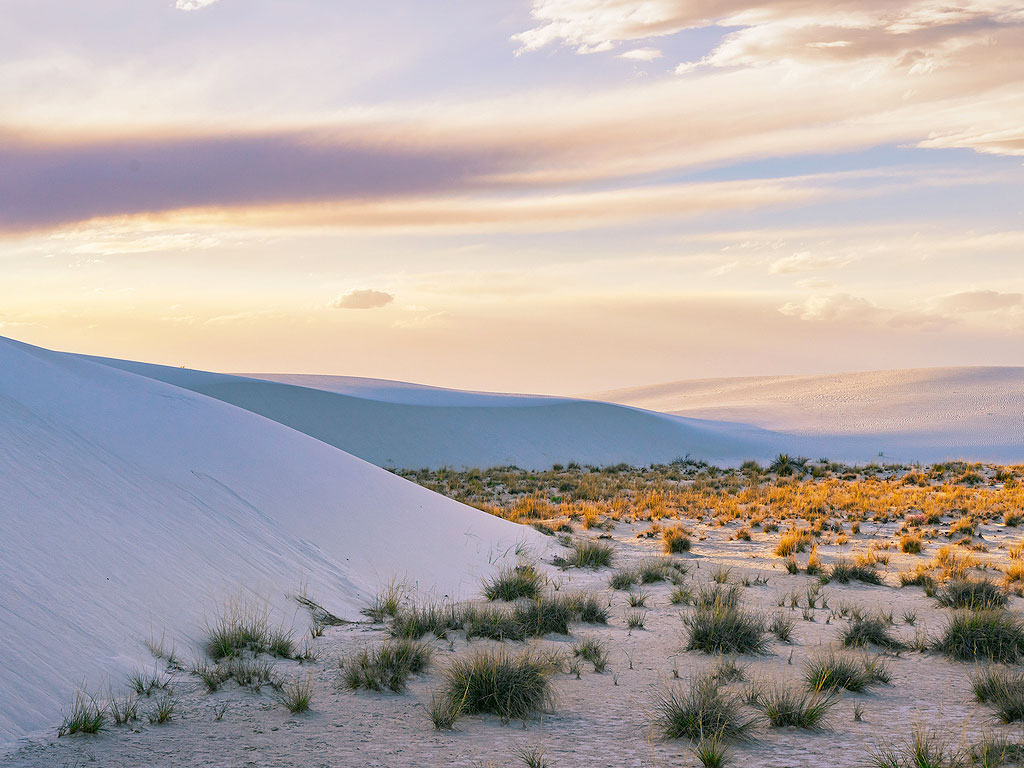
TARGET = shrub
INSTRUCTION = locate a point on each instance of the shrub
(919, 578)
(911, 544)
(675, 541)
(701, 710)
(786, 706)
(591, 610)
(979, 594)
(863, 630)
(725, 629)
(85, 716)
(495, 682)
(388, 666)
(994, 635)
(513, 583)
(1013, 519)
(653, 571)
(830, 670)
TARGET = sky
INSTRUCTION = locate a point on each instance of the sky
(555, 196)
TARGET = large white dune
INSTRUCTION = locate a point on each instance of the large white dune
(393, 424)
(928, 414)
(131, 508)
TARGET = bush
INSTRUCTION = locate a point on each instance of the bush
(994, 635)
(725, 629)
(675, 541)
(830, 670)
(702, 710)
(513, 583)
(978, 595)
(388, 666)
(911, 544)
(785, 706)
(495, 682)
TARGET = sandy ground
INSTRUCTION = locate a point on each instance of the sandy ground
(599, 719)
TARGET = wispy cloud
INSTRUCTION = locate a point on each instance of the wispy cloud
(192, 5)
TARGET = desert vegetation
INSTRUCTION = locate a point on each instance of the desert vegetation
(728, 611)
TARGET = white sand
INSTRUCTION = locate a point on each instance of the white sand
(131, 507)
(595, 723)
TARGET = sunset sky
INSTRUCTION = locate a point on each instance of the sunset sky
(553, 196)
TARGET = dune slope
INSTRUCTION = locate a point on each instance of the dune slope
(131, 508)
(928, 414)
(404, 425)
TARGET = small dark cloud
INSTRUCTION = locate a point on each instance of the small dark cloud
(363, 298)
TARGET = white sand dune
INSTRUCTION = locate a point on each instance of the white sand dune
(131, 507)
(394, 424)
(928, 414)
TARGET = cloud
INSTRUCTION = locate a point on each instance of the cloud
(46, 182)
(192, 5)
(362, 298)
(805, 261)
(832, 307)
(642, 54)
(979, 301)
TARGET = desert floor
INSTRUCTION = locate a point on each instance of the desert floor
(599, 719)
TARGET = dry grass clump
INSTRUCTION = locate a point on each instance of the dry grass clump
(911, 544)
(994, 635)
(586, 553)
(712, 595)
(830, 670)
(924, 749)
(953, 563)
(1013, 573)
(920, 577)
(512, 583)
(240, 629)
(702, 710)
(793, 541)
(1003, 690)
(387, 601)
(962, 527)
(723, 628)
(86, 716)
(675, 541)
(977, 595)
(864, 630)
(297, 694)
(844, 571)
(496, 682)
(413, 622)
(787, 706)
(387, 667)
(593, 650)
